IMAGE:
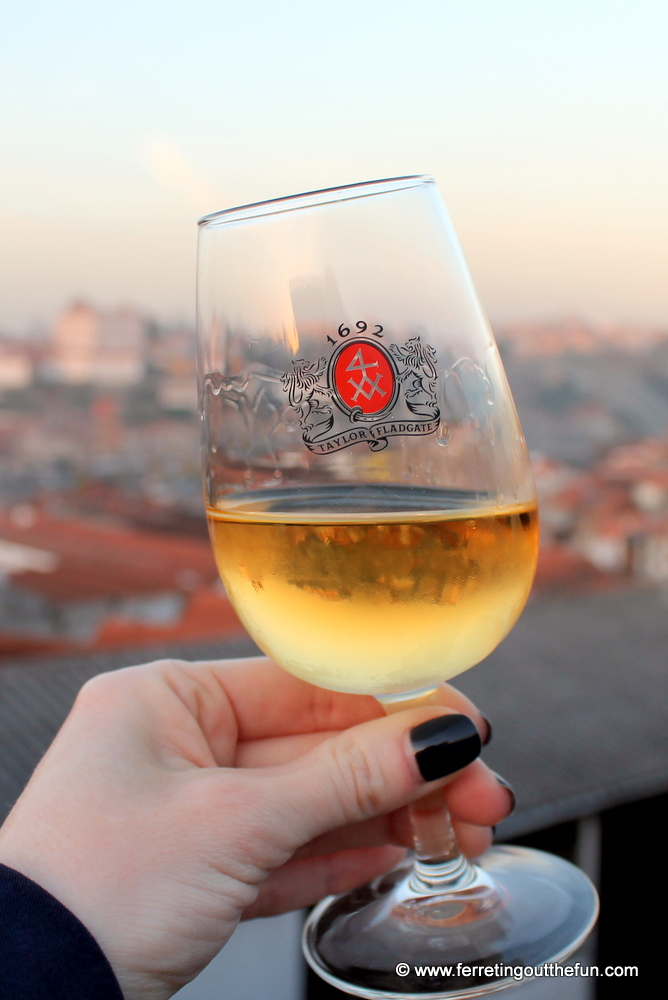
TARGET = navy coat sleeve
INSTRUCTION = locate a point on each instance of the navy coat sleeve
(46, 953)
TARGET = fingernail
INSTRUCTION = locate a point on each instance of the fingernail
(444, 744)
(488, 735)
(513, 797)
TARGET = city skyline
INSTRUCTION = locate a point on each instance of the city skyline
(544, 127)
(100, 475)
(551, 336)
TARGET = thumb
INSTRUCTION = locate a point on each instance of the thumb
(372, 769)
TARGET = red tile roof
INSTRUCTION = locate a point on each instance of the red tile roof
(99, 562)
(102, 561)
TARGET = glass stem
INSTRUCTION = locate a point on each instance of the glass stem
(438, 864)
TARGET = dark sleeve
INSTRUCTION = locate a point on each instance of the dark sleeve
(46, 953)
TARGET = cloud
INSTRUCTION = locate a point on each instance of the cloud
(170, 167)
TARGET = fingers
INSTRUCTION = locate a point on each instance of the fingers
(253, 701)
(394, 829)
(283, 749)
(278, 749)
(304, 881)
(475, 801)
(269, 702)
(368, 770)
(450, 697)
(476, 796)
(167, 708)
(473, 840)
(250, 701)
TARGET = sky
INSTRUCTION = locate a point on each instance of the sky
(544, 123)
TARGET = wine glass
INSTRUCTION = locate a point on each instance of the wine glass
(373, 516)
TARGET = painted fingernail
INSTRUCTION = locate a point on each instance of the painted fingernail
(509, 787)
(488, 734)
(444, 744)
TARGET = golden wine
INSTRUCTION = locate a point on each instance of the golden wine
(357, 596)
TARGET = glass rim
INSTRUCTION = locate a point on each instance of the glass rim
(313, 199)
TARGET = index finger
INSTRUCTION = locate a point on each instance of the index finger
(270, 702)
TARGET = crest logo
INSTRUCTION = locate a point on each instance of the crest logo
(363, 378)
(365, 393)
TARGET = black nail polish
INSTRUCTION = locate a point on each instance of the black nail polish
(488, 735)
(444, 744)
(506, 784)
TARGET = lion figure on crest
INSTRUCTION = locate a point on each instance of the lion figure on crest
(418, 373)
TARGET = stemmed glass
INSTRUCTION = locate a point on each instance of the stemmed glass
(373, 516)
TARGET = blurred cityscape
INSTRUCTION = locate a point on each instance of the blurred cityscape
(103, 542)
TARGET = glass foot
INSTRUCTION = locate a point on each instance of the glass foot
(519, 908)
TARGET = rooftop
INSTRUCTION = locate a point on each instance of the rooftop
(89, 560)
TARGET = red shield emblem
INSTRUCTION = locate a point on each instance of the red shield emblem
(363, 377)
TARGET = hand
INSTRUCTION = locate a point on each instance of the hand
(181, 797)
